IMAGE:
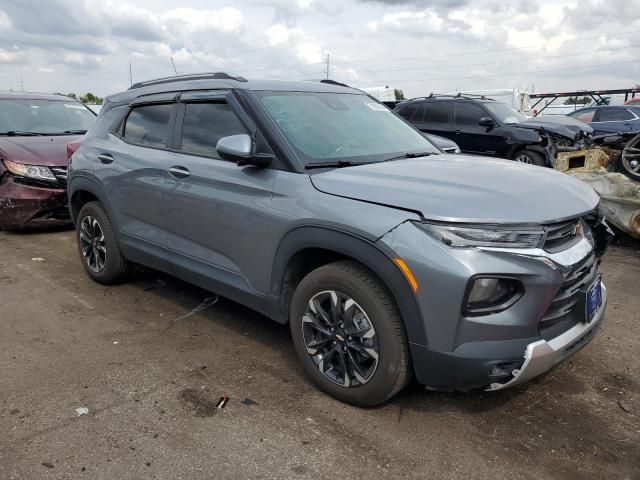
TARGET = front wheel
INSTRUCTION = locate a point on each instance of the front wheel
(531, 158)
(348, 334)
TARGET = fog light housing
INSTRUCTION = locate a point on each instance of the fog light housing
(492, 294)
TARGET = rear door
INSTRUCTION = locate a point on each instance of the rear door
(131, 169)
(614, 120)
(470, 136)
(436, 117)
(216, 210)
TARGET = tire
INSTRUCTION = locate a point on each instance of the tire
(629, 161)
(530, 157)
(373, 336)
(101, 258)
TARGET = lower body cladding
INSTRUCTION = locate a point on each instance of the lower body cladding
(540, 318)
(29, 206)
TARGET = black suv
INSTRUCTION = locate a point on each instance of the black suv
(483, 126)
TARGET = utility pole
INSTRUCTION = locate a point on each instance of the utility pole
(174, 67)
(130, 75)
(22, 83)
(328, 63)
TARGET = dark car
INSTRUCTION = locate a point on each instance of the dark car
(34, 132)
(610, 119)
(483, 126)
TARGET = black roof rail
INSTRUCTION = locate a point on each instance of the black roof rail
(467, 96)
(333, 82)
(188, 77)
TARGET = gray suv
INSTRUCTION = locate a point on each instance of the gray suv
(316, 206)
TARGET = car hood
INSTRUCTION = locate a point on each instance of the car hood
(568, 128)
(464, 189)
(48, 151)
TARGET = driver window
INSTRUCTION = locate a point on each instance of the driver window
(468, 114)
(206, 123)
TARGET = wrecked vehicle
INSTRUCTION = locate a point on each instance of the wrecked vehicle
(482, 126)
(612, 168)
(34, 132)
(317, 206)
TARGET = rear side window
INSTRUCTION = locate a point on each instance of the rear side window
(614, 114)
(418, 115)
(585, 115)
(469, 114)
(408, 111)
(437, 112)
(148, 125)
(206, 123)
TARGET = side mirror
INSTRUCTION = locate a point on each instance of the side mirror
(239, 149)
(486, 122)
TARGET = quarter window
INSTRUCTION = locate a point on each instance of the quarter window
(148, 125)
(585, 115)
(614, 115)
(418, 115)
(206, 123)
(469, 114)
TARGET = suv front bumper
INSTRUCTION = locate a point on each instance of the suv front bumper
(543, 355)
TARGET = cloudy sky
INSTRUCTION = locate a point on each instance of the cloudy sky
(418, 46)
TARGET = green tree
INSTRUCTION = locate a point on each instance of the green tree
(91, 98)
(399, 94)
(577, 100)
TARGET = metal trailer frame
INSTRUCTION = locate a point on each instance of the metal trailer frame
(596, 95)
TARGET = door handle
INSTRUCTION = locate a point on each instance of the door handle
(458, 132)
(105, 158)
(179, 172)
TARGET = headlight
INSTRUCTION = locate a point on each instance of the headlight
(466, 236)
(30, 171)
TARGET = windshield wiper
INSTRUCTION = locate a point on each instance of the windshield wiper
(336, 164)
(18, 133)
(75, 132)
(409, 155)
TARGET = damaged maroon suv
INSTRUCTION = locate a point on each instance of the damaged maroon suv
(34, 132)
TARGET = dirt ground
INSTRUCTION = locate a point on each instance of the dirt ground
(150, 360)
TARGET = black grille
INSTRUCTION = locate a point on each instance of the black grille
(61, 174)
(568, 306)
(562, 235)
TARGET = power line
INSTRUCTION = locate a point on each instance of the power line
(531, 72)
(547, 57)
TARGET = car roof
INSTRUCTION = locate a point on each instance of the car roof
(207, 82)
(5, 95)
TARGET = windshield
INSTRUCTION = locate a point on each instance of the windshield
(332, 127)
(44, 117)
(504, 113)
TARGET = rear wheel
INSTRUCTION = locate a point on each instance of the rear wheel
(531, 158)
(348, 334)
(98, 246)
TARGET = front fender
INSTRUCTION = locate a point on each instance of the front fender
(376, 257)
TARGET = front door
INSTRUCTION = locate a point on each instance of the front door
(216, 210)
(472, 137)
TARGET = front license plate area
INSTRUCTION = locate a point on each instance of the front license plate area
(594, 299)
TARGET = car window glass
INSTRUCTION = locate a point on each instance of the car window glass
(148, 125)
(437, 112)
(614, 114)
(469, 114)
(418, 115)
(408, 111)
(585, 115)
(206, 123)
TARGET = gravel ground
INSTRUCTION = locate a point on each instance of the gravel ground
(150, 360)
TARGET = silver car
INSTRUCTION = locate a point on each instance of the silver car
(316, 206)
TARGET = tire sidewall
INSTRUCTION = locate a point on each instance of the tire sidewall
(113, 266)
(385, 378)
(536, 158)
